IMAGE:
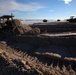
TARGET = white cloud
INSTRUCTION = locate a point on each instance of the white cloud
(11, 5)
(67, 1)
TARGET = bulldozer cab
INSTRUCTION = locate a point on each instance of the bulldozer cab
(5, 18)
(6, 21)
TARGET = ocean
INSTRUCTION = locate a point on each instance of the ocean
(32, 21)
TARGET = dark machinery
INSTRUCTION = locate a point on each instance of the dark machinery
(72, 19)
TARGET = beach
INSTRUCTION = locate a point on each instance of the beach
(38, 52)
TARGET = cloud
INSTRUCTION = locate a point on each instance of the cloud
(67, 1)
(11, 5)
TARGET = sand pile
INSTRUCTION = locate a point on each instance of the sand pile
(19, 27)
(24, 28)
(34, 31)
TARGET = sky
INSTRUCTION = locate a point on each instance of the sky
(38, 9)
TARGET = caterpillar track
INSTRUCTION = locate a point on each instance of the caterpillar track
(26, 64)
(44, 49)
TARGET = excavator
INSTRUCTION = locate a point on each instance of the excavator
(72, 19)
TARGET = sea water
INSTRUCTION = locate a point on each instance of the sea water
(32, 21)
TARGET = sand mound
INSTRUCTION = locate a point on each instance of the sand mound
(34, 31)
(19, 27)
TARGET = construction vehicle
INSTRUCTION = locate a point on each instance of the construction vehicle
(72, 19)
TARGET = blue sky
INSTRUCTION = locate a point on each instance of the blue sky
(38, 9)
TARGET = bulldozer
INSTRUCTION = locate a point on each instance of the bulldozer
(72, 19)
(10, 25)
